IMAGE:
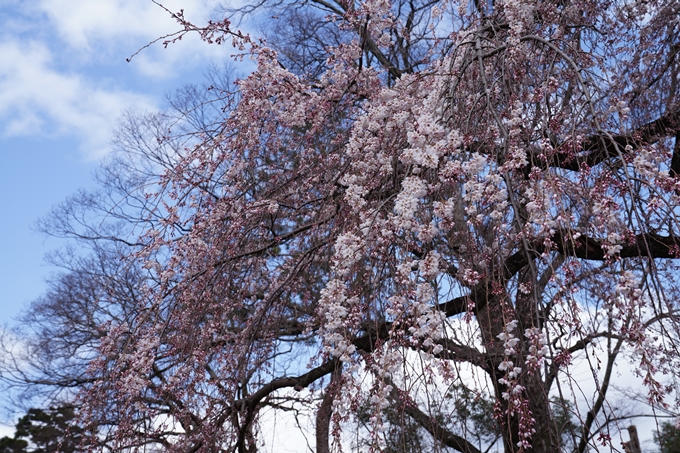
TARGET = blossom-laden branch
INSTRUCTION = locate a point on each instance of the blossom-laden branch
(412, 181)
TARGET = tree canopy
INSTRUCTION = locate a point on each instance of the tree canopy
(668, 438)
(49, 431)
(407, 204)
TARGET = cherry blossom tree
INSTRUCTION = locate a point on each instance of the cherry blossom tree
(446, 195)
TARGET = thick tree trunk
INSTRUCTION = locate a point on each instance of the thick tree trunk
(324, 413)
(545, 439)
(323, 422)
(491, 316)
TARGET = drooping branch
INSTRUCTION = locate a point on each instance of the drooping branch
(581, 344)
(298, 382)
(675, 161)
(459, 305)
(367, 42)
(462, 353)
(601, 397)
(366, 342)
(430, 424)
(643, 245)
(479, 294)
(248, 406)
(597, 148)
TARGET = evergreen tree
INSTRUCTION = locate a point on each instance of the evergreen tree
(668, 438)
(12, 445)
(45, 431)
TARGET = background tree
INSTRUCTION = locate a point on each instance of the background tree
(471, 194)
(668, 438)
(45, 431)
(12, 445)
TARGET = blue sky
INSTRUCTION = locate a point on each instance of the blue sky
(64, 81)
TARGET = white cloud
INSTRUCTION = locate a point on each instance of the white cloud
(6, 431)
(37, 99)
(82, 23)
(119, 28)
(61, 59)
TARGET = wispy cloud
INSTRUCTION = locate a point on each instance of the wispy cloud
(37, 99)
(105, 27)
(63, 69)
(81, 24)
